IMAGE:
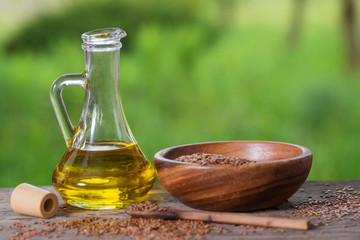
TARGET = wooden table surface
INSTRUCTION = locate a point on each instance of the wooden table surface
(346, 228)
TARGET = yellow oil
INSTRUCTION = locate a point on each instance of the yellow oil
(107, 175)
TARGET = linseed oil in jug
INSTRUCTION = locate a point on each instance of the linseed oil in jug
(103, 166)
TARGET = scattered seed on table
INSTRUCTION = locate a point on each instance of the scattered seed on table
(337, 205)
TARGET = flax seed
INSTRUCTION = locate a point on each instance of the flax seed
(212, 159)
(137, 228)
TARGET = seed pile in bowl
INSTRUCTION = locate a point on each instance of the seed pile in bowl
(212, 159)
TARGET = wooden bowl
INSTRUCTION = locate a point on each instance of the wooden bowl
(279, 171)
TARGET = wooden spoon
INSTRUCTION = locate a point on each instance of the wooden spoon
(221, 217)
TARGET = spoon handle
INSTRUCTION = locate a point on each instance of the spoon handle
(221, 217)
(248, 219)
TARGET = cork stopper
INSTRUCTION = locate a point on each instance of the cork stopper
(30, 200)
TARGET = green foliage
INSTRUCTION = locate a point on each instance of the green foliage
(84, 16)
(188, 74)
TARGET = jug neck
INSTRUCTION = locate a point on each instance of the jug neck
(103, 120)
(102, 75)
(102, 56)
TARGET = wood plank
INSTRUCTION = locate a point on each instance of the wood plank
(344, 229)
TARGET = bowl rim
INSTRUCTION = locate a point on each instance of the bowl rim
(305, 153)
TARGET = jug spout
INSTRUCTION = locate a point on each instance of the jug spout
(108, 38)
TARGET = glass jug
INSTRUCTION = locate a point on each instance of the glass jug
(103, 166)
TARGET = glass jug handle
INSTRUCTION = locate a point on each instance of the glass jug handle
(58, 104)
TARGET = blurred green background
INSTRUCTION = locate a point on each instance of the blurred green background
(191, 71)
